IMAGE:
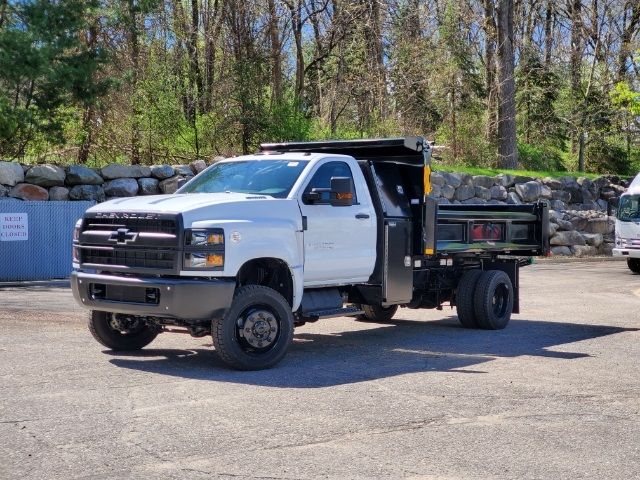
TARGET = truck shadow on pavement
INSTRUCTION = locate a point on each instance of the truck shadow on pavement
(401, 346)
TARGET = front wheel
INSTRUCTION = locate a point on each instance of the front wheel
(256, 331)
(120, 332)
(634, 264)
(493, 300)
(377, 313)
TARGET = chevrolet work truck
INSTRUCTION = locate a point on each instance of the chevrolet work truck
(259, 244)
(628, 226)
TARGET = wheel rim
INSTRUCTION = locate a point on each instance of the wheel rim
(500, 300)
(258, 329)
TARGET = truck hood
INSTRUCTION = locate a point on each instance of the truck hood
(176, 203)
(209, 209)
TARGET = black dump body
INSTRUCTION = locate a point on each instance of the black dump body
(419, 238)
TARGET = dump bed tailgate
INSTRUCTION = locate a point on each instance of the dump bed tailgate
(501, 229)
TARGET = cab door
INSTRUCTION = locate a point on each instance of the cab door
(339, 241)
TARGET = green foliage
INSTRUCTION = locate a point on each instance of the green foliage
(607, 156)
(113, 81)
(471, 146)
(536, 94)
(287, 122)
(45, 65)
(533, 157)
(625, 98)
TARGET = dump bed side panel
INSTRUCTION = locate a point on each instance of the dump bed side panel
(500, 229)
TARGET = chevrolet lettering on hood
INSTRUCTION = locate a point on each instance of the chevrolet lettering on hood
(125, 216)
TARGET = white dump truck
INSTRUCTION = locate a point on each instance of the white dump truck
(256, 245)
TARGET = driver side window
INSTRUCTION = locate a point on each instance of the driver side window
(322, 179)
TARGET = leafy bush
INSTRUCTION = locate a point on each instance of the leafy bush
(606, 156)
(532, 157)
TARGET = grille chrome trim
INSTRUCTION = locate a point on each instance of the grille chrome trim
(152, 242)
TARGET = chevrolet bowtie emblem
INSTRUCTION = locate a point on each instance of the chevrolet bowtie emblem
(123, 235)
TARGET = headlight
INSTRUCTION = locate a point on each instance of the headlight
(75, 251)
(204, 238)
(76, 231)
(204, 260)
(204, 249)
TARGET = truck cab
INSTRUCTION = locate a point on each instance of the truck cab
(627, 242)
(259, 244)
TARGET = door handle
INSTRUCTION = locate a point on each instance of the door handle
(362, 216)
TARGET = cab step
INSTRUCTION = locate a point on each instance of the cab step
(334, 312)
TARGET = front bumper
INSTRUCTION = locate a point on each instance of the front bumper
(189, 300)
(626, 252)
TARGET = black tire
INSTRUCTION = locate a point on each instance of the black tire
(266, 310)
(493, 300)
(100, 326)
(634, 264)
(465, 298)
(377, 313)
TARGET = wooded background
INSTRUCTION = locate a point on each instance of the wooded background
(540, 84)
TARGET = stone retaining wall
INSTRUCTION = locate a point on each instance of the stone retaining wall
(77, 182)
(579, 223)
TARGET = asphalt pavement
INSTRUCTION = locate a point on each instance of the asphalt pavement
(554, 395)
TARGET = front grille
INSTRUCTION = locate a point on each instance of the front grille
(130, 258)
(133, 224)
(631, 243)
(119, 241)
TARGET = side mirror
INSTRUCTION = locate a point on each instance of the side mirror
(181, 182)
(341, 192)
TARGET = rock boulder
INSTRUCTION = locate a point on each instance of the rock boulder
(87, 192)
(121, 187)
(148, 186)
(162, 171)
(528, 191)
(465, 192)
(81, 175)
(115, 170)
(11, 173)
(45, 176)
(483, 181)
(58, 193)
(567, 238)
(27, 191)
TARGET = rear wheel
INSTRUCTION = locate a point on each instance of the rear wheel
(256, 331)
(377, 313)
(465, 298)
(634, 264)
(120, 332)
(493, 300)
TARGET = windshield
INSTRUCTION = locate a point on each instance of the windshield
(628, 209)
(263, 177)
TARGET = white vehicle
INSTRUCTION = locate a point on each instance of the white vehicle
(258, 244)
(628, 226)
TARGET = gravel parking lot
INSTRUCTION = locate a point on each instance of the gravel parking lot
(555, 395)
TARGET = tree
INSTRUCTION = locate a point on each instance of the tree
(44, 65)
(507, 149)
